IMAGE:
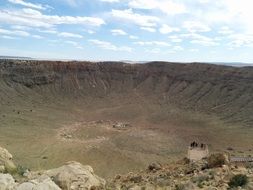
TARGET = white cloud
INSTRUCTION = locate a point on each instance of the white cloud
(133, 37)
(178, 48)
(200, 39)
(117, 32)
(71, 42)
(166, 6)
(165, 29)
(225, 30)
(239, 40)
(27, 4)
(236, 13)
(37, 36)
(194, 50)
(151, 43)
(14, 32)
(49, 31)
(69, 35)
(18, 27)
(129, 16)
(75, 44)
(110, 1)
(72, 3)
(175, 39)
(154, 50)
(8, 37)
(196, 26)
(34, 18)
(90, 31)
(109, 46)
(149, 29)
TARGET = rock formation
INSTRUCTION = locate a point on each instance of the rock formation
(6, 162)
(71, 176)
(41, 183)
(74, 175)
(182, 175)
(7, 182)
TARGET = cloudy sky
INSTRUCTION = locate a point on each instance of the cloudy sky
(138, 30)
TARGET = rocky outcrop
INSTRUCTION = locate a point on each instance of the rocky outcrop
(6, 161)
(71, 176)
(182, 175)
(42, 183)
(7, 182)
(74, 175)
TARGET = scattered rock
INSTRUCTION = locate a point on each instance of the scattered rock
(42, 183)
(6, 161)
(121, 126)
(136, 178)
(154, 166)
(67, 136)
(7, 182)
(74, 175)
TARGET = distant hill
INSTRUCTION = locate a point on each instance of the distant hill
(234, 64)
(15, 57)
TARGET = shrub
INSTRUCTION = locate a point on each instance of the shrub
(216, 160)
(249, 165)
(200, 185)
(180, 187)
(239, 180)
(21, 170)
(200, 179)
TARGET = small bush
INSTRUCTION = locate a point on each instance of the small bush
(21, 170)
(239, 180)
(200, 179)
(216, 160)
(180, 187)
(200, 185)
(249, 165)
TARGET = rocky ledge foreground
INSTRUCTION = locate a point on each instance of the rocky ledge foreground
(212, 173)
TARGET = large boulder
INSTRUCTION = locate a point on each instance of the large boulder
(6, 161)
(74, 175)
(7, 182)
(42, 183)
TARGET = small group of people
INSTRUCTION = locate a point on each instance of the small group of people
(195, 145)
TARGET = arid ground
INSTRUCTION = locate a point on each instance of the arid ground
(53, 112)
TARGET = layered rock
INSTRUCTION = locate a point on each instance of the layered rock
(221, 90)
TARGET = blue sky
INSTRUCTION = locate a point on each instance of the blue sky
(138, 30)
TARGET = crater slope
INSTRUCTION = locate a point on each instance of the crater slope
(167, 105)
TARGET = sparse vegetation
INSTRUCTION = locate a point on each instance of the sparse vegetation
(239, 180)
(216, 160)
(200, 179)
(157, 98)
(21, 170)
(180, 187)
